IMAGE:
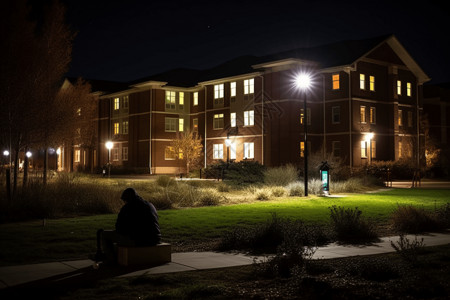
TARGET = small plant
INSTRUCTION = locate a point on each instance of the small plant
(223, 187)
(348, 224)
(278, 191)
(280, 176)
(208, 197)
(409, 219)
(263, 194)
(296, 189)
(408, 249)
(165, 181)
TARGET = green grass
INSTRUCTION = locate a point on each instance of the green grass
(70, 238)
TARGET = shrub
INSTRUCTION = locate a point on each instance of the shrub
(165, 181)
(315, 187)
(408, 249)
(443, 215)
(223, 187)
(296, 189)
(208, 197)
(278, 191)
(409, 219)
(349, 226)
(280, 176)
(263, 194)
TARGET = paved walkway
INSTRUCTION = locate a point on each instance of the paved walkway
(55, 272)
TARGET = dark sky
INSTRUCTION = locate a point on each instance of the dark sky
(127, 40)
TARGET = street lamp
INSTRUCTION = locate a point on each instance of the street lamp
(303, 82)
(109, 145)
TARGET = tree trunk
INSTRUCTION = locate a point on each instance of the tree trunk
(44, 175)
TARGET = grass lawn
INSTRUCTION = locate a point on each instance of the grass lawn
(73, 238)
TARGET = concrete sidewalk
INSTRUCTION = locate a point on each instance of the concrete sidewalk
(190, 261)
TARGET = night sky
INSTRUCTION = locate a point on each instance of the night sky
(128, 40)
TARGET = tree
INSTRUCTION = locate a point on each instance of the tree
(188, 147)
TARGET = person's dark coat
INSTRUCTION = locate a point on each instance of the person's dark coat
(138, 219)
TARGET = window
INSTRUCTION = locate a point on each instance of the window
(116, 103)
(218, 151)
(249, 86)
(126, 102)
(399, 87)
(180, 153)
(233, 90)
(335, 79)
(218, 91)
(218, 121)
(180, 125)
(169, 153)
(408, 89)
(372, 83)
(363, 149)
(336, 145)
(249, 118)
(373, 149)
(171, 124)
(195, 124)
(233, 151)
(124, 153)
(400, 117)
(308, 116)
(400, 149)
(170, 99)
(77, 156)
(372, 115)
(115, 154)
(362, 113)
(79, 112)
(181, 100)
(116, 128)
(410, 119)
(233, 119)
(302, 149)
(195, 98)
(249, 150)
(336, 114)
(362, 81)
(125, 127)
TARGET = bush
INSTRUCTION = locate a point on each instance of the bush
(263, 194)
(296, 189)
(408, 249)
(349, 226)
(165, 181)
(208, 197)
(443, 215)
(280, 176)
(239, 173)
(409, 219)
(278, 191)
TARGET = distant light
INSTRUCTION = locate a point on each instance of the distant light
(28, 154)
(6, 153)
(51, 150)
(58, 151)
(303, 81)
(109, 145)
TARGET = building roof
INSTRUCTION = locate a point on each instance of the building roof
(102, 86)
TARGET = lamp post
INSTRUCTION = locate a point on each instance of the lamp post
(303, 82)
(109, 145)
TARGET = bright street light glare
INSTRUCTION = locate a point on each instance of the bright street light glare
(6, 153)
(369, 136)
(303, 81)
(109, 145)
(28, 154)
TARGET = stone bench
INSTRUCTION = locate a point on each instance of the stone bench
(146, 255)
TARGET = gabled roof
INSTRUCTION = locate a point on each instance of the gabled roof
(181, 77)
(102, 86)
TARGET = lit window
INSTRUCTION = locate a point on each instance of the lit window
(249, 86)
(115, 154)
(400, 117)
(125, 102)
(116, 128)
(124, 153)
(362, 81)
(302, 149)
(336, 114)
(336, 145)
(79, 112)
(408, 89)
(399, 87)
(336, 83)
(218, 91)
(170, 99)
(400, 149)
(372, 83)
(218, 151)
(233, 119)
(195, 98)
(372, 115)
(180, 100)
(308, 116)
(171, 124)
(232, 150)
(195, 124)
(116, 103)
(218, 121)
(180, 125)
(363, 149)
(233, 89)
(249, 118)
(76, 156)
(410, 119)
(169, 153)
(362, 113)
(249, 150)
(373, 150)
(125, 127)
(180, 153)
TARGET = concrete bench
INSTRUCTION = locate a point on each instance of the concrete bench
(148, 255)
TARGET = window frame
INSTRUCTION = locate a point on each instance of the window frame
(362, 114)
(400, 117)
(169, 153)
(116, 128)
(249, 86)
(116, 103)
(218, 121)
(362, 81)
(195, 99)
(372, 83)
(249, 148)
(124, 153)
(372, 115)
(170, 100)
(335, 81)
(233, 122)
(399, 87)
(170, 124)
(249, 118)
(338, 114)
(125, 127)
(217, 151)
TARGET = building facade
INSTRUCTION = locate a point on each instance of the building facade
(364, 103)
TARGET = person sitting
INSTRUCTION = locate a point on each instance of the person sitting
(136, 225)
